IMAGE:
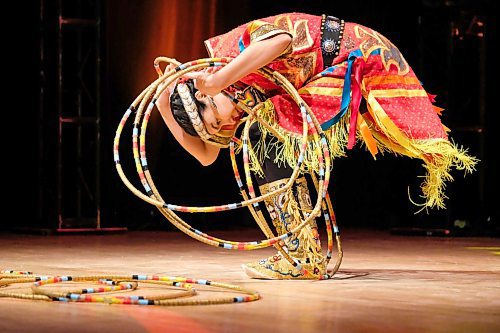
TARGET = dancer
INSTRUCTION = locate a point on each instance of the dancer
(335, 66)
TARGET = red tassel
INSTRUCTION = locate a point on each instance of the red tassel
(431, 97)
(356, 100)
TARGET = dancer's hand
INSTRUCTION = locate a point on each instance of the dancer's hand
(205, 82)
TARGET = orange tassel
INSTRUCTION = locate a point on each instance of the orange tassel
(438, 110)
(367, 136)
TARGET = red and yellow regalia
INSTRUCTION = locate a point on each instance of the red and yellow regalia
(335, 65)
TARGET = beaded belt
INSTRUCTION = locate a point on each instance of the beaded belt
(332, 31)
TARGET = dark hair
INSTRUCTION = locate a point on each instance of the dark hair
(179, 112)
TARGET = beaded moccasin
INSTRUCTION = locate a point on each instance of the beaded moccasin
(286, 212)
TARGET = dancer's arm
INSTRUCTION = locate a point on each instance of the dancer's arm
(255, 56)
(205, 153)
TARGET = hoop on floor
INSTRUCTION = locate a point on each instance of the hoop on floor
(118, 283)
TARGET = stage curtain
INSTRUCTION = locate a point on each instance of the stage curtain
(137, 32)
(140, 31)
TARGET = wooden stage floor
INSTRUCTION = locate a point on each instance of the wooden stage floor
(386, 283)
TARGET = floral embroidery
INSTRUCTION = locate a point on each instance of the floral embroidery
(299, 68)
(262, 30)
(388, 52)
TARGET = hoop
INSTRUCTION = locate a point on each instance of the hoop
(152, 196)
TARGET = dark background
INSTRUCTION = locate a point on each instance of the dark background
(437, 38)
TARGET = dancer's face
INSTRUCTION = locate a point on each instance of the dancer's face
(220, 116)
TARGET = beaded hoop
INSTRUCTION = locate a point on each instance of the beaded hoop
(152, 196)
(114, 283)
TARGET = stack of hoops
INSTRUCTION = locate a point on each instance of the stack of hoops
(117, 283)
(312, 135)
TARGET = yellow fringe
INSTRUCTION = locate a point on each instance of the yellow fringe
(439, 155)
(287, 151)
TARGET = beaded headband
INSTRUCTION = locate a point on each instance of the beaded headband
(192, 111)
(194, 117)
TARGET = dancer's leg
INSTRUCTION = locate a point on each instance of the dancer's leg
(286, 212)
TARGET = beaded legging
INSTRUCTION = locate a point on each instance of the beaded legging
(272, 172)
